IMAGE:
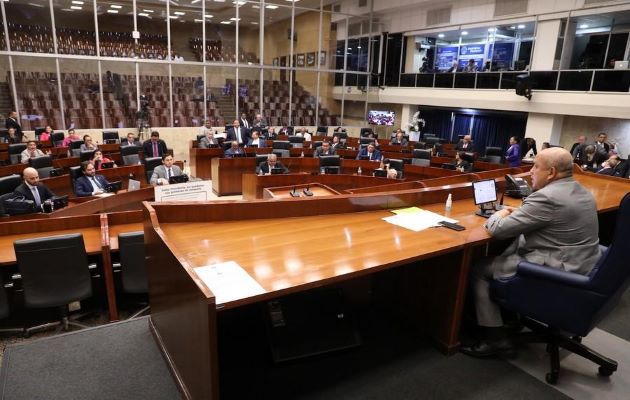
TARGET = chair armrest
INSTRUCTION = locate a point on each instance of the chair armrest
(527, 269)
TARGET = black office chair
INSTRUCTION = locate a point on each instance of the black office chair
(494, 151)
(75, 147)
(199, 137)
(365, 132)
(9, 183)
(55, 272)
(431, 141)
(322, 129)
(4, 309)
(56, 138)
(364, 141)
(562, 307)
(75, 173)
(39, 131)
(419, 145)
(261, 158)
(315, 145)
(130, 154)
(421, 157)
(150, 164)
(493, 159)
(296, 141)
(330, 164)
(86, 155)
(3, 210)
(15, 151)
(398, 165)
(42, 164)
(110, 137)
(132, 266)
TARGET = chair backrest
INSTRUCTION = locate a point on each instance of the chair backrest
(9, 183)
(131, 159)
(260, 158)
(421, 153)
(40, 162)
(54, 270)
(129, 150)
(132, 261)
(75, 173)
(469, 157)
(296, 141)
(431, 141)
(494, 159)
(419, 145)
(56, 138)
(39, 131)
(76, 144)
(494, 151)
(398, 165)
(110, 135)
(199, 137)
(315, 145)
(282, 153)
(281, 144)
(365, 131)
(86, 155)
(423, 162)
(17, 148)
(3, 197)
(330, 161)
(150, 164)
(322, 129)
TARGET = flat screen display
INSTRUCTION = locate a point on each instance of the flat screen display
(485, 191)
(380, 118)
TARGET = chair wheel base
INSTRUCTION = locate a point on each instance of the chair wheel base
(552, 378)
(605, 371)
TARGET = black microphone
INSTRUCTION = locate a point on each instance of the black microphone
(307, 191)
(294, 192)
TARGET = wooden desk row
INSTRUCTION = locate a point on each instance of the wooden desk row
(100, 234)
(428, 269)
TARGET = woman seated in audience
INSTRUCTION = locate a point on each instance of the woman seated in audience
(99, 159)
(72, 137)
(45, 136)
(88, 144)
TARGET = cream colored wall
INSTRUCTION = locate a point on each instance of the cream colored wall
(618, 131)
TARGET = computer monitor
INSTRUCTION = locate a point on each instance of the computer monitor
(87, 155)
(484, 191)
(364, 158)
(329, 161)
(277, 171)
(380, 173)
(133, 185)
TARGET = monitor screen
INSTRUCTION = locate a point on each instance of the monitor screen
(485, 191)
(380, 118)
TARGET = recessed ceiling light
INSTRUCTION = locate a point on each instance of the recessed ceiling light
(491, 29)
(441, 35)
(198, 20)
(194, 1)
(464, 33)
(255, 6)
(583, 26)
(521, 26)
(358, 47)
(239, 3)
(235, 19)
(77, 2)
(149, 11)
(172, 16)
(226, 22)
(271, 7)
(219, 1)
(115, 6)
(112, 11)
(179, 13)
(254, 23)
(143, 14)
(76, 7)
(293, 1)
(513, 27)
(349, 48)
(209, 15)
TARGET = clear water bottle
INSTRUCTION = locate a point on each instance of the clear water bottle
(359, 171)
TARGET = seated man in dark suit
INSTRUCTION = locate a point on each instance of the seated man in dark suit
(272, 162)
(324, 150)
(256, 140)
(131, 140)
(337, 143)
(90, 184)
(234, 151)
(31, 189)
(237, 133)
(208, 141)
(399, 139)
(466, 144)
(614, 166)
(370, 153)
(271, 133)
(154, 147)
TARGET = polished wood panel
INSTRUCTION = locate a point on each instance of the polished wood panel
(122, 201)
(201, 161)
(388, 187)
(283, 192)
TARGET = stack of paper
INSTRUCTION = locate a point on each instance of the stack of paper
(416, 219)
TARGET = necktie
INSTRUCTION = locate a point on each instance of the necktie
(96, 183)
(169, 173)
(38, 200)
(155, 150)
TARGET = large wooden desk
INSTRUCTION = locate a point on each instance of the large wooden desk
(429, 269)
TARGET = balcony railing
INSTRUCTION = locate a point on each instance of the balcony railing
(593, 80)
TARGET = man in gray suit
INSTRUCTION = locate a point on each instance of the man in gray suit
(324, 150)
(162, 173)
(208, 141)
(556, 226)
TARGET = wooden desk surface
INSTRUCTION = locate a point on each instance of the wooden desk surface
(283, 192)
(356, 243)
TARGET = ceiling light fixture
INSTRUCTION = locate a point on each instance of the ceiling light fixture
(271, 7)
(521, 26)
(235, 19)
(226, 22)
(77, 2)
(464, 33)
(149, 11)
(441, 35)
(209, 15)
(112, 11)
(179, 13)
(76, 7)
(143, 14)
(116, 6)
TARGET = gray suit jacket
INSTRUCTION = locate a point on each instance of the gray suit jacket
(204, 143)
(160, 172)
(556, 226)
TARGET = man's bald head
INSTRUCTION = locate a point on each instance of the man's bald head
(549, 165)
(30, 176)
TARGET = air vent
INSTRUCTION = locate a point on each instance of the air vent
(439, 16)
(509, 7)
(362, 3)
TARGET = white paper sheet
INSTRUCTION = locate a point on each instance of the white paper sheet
(228, 281)
(418, 220)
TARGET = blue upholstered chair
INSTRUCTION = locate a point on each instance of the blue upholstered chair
(561, 307)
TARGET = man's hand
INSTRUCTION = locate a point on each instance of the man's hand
(507, 210)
